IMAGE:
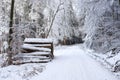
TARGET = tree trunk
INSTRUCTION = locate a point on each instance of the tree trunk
(10, 39)
(58, 9)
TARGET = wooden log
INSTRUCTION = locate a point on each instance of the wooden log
(52, 51)
(18, 63)
(37, 58)
(37, 40)
(28, 50)
(36, 48)
(39, 45)
(35, 51)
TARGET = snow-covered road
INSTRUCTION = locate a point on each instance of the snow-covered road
(71, 63)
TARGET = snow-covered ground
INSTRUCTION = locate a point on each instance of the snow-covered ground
(108, 60)
(70, 63)
(21, 72)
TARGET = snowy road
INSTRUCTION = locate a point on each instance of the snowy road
(72, 63)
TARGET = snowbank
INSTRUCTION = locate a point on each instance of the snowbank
(21, 72)
(110, 61)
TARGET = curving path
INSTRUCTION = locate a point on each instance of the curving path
(71, 63)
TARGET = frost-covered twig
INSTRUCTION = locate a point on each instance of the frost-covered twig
(58, 9)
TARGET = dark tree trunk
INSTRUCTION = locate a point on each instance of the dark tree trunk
(10, 39)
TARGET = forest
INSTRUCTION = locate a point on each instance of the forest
(70, 29)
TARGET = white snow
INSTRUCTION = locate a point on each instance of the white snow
(114, 59)
(73, 64)
(70, 63)
(21, 72)
(108, 60)
(38, 40)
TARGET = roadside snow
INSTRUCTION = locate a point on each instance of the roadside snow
(108, 60)
(70, 63)
(21, 72)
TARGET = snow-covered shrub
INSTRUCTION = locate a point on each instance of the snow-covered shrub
(116, 67)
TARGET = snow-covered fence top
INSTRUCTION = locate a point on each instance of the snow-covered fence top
(38, 40)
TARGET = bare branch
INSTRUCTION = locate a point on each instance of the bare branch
(58, 9)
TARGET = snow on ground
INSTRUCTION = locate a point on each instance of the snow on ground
(70, 63)
(21, 72)
(108, 60)
(73, 64)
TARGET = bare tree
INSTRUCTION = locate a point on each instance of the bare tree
(58, 9)
(10, 41)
